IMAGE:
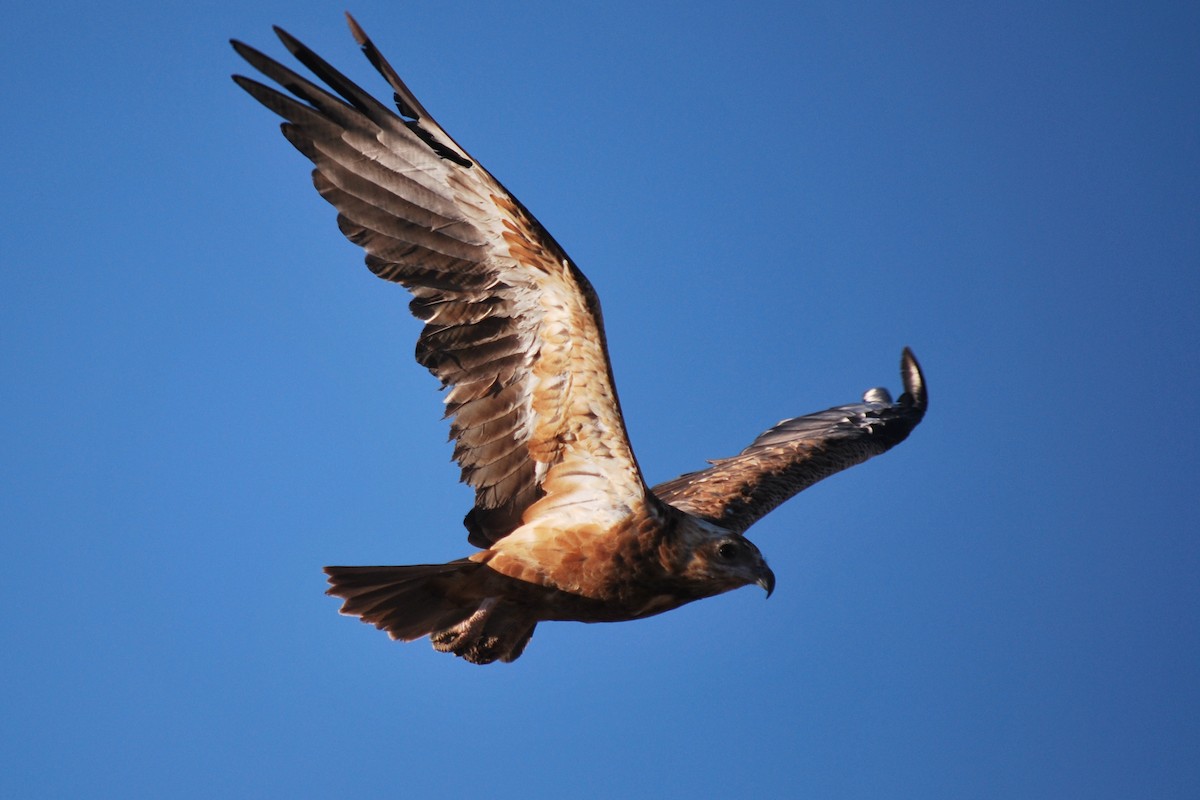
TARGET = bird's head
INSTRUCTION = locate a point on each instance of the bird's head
(718, 561)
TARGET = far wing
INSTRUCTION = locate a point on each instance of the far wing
(513, 329)
(736, 492)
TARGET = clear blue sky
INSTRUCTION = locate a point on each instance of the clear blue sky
(206, 398)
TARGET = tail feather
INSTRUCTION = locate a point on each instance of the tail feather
(414, 597)
(436, 600)
(407, 602)
(412, 619)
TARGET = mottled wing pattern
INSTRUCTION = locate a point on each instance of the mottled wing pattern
(736, 492)
(512, 328)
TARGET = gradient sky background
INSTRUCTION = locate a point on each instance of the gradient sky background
(206, 398)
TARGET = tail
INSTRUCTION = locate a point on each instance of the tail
(438, 601)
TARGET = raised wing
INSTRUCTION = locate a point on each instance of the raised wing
(513, 329)
(736, 492)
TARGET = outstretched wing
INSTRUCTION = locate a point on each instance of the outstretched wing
(736, 492)
(513, 329)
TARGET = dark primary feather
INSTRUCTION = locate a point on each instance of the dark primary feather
(736, 492)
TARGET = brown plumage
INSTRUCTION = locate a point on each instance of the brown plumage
(567, 527)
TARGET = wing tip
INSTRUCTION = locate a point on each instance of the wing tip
(356, 30)
(914, 381)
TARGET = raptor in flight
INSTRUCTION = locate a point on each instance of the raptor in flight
(566, 527)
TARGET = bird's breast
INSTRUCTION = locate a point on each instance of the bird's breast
(595, 572)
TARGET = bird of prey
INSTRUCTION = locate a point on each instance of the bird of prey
(566, 527)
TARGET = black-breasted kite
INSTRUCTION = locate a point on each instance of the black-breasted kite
(568, 528)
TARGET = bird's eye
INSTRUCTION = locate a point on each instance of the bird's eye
(728, 551)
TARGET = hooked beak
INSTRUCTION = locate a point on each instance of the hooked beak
(766, 579)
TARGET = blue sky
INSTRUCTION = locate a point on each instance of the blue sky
(206, 398)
